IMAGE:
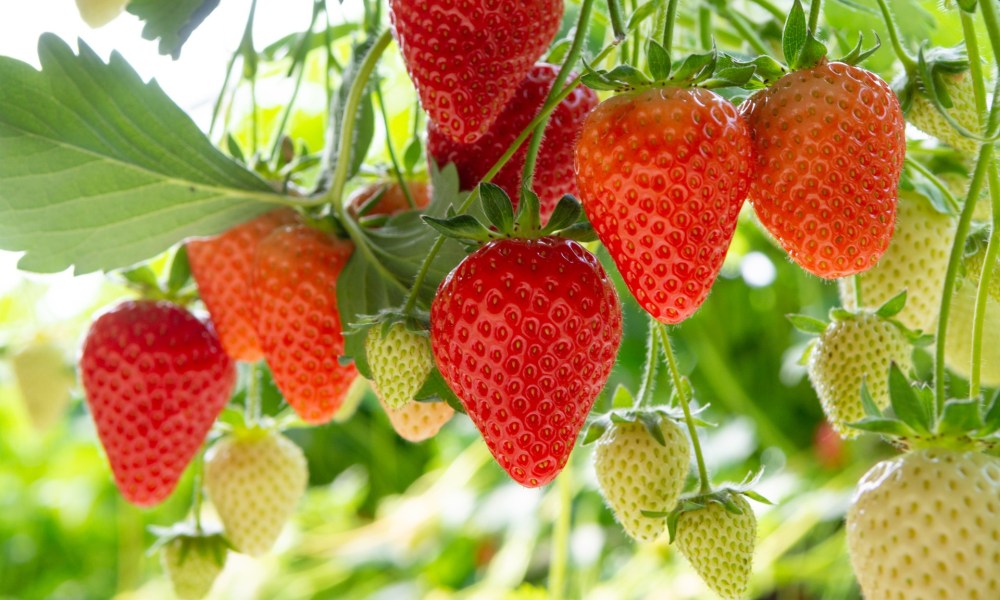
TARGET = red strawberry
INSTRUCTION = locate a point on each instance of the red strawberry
(466, 59)
(663, 174)
(392, 199)
(554, 175)
(155, 378)
(525, 332)
(295, 299)
(829, 147)
(221, 267)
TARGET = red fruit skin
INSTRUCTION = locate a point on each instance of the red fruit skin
(525, 332)
(829, 146)
(554, 175)
(663, 174)
(467, 58)
(221, 267)
(393, 199)
(155, 379)
(295, 299)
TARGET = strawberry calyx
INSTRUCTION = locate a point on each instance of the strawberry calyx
(627, 410)
(192, 538)
(175, 285)
(709, 70)
(566, 221)
(722, 496)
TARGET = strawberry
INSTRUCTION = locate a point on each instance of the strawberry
(418, 421)
(466, 60)
(193, 563)
(916, 261)
(924, 525)
(553, 177)
(637, 472)
(662, 175)
(828, 146)
(958, 343)
(255, 477)
(400, 360)
(221, 267)
(525, 332)
(719, 544)
(155, 379)
(923, 115)
(98, 13)
(391, 199)
(44, 378)
(294, 293)
(855, 348)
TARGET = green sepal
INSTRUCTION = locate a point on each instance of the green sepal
(695, 67)
(497, 206)
(640, 14)
(179, 274)
(884, 426)
(991, 418)
(233, 147)
(190, 534)
(931, 67)
(840, 313)
(730, 72)
(858, 54)
(959, 417)
(659, 61)
(907, 404)
(594, 432)
(558, 51)
(622, 398)
(807, 352)
(566, 213)
(461, 227)
(412, 154)
(807, 324)
(768, 69)
(722, 496)
(968, 6)
(867, 402)
(527, 221)
(580, 232)
(628, 77)
(893, 306)
(800, 48)
(651, 418)
(435, 389)
(142, 277)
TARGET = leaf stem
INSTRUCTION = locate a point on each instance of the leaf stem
(705, 27)
(252, 401)
(897, 46)
(560, 535)
(705, 484)
(388, 143)
(579, 37)
(814, 10)
(668, 27)
(196, 482)
(649, 370)
(298, 63)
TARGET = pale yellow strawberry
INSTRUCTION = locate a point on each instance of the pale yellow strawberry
(635, 473)
(926, 525)
(719, 545)
(418, 421)
(45, 379)
(400, 361)
(98, 13)
(924, 116)
(850, 351)
(193, 563)
(916, 261)
(255, 478)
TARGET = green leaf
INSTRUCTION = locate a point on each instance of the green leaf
(400, 247)
(558, 51)
(659, 61)
(598, 81)
(594, 432)
(991, 420)
(883, 426)
(640, 14)
(99, 170)
(867, 402)
(807, 324)
(793, 38)
(628, 75)
(960, 417)
(905, 403)
(412, 155)
(171, 22)
(460, 227)
(180, 270)
(436, 389)
(497, 206)
(892, 306)
(694, 67)
(142, 276)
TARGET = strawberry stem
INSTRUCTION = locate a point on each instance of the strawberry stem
(199, 471)
(579, 37)
(890, 23)
(560, 534)
(388, 144)
(649, 371)
(814, 10)
(252, 401)
(299, 64)
(705, 484)
(668, 27)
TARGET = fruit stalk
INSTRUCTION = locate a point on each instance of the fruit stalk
(649, 372)
(890, 24)
(549, 106)
(814, 10)
(704, 484)
(298, 63)
(575, 49)
(392, 149)
(251, 403)
(983, 165)
(560, 535)
(668, 27)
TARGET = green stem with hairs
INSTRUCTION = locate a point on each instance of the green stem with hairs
(252, 400)
(392, 150)
(705, 484)
(582, 25)
(814, 9)
(668, 27)
(560, 535)
(196, 482)
(890, 24)
(645, 395)
(705, 27)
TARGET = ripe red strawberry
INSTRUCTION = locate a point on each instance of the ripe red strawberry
(392, 199)
(155, 379)
(525, 332)
(295, 299)
(829, 147)
(221, 267)
(663, 174)
(466, 59)
(554, 175)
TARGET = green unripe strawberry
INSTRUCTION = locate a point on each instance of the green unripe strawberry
(856, 348)
(926, 525)
(193, 563)
(44, 378)
(719, 544)
(400, 359)
(923, 115)
(958, 344)
(636, 473)
(418, 421)
(255, 478)
(916, 261)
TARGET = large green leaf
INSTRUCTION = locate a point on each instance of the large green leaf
(171, 22)
(99, 170)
